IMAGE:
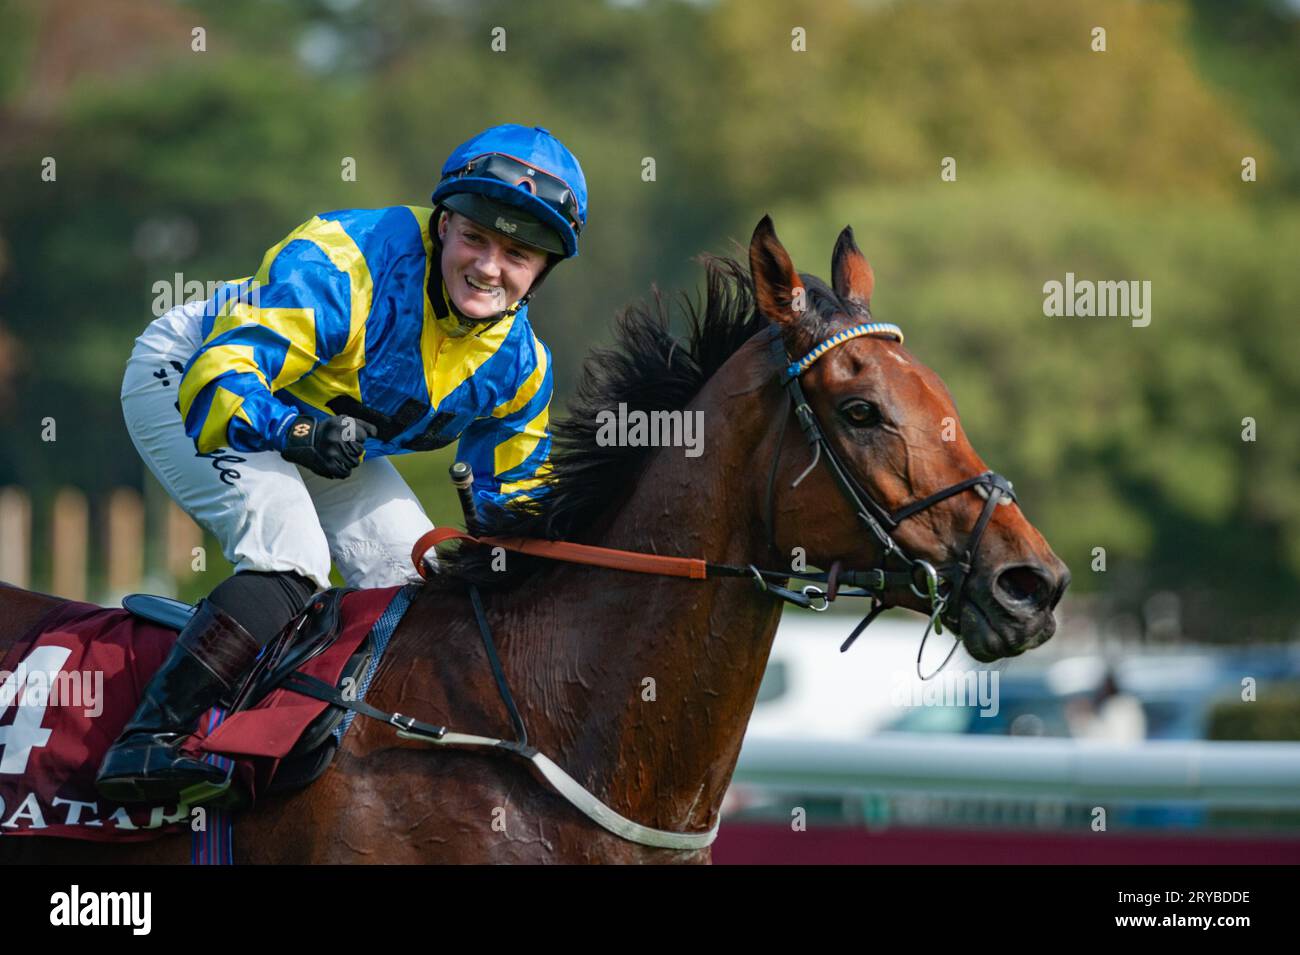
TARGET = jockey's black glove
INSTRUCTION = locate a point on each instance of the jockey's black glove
(331, 448)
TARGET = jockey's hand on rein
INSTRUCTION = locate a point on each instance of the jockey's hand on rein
(331, 448)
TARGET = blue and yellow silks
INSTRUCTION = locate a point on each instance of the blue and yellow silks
(338, 321)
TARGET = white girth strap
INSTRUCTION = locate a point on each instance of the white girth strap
(578, 796)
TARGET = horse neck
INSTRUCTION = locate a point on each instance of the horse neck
(658, 676)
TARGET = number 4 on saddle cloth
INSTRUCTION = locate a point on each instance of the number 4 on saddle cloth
(69, 686)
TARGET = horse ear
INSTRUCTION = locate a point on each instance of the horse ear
(851, 273)
(777, 288)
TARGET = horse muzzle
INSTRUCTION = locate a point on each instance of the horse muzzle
(1010, 609)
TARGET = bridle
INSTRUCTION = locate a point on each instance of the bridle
(993, 487)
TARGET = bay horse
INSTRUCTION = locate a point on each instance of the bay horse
(641, 687)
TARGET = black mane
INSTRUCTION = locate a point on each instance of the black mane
(648, 368)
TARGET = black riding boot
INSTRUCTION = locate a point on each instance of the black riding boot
(211, 656)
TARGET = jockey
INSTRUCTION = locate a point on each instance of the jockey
(365, 333)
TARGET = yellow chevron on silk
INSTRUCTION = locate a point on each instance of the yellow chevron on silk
(529, 389)
(297, 326)
(514, 450)
(226, 405)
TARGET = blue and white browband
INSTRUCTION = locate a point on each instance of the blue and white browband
(879, 329)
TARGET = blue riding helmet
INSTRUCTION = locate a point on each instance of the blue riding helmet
(525, 169)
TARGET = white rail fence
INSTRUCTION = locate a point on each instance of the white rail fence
(1213, 773)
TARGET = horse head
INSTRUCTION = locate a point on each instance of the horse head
(906, 490)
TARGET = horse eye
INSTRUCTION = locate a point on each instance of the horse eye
(860, 414)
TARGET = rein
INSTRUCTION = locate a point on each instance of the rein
(860, 583)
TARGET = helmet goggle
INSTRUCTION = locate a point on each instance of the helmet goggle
(552, 190)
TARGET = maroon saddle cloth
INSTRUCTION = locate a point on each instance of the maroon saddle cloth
(69, 686)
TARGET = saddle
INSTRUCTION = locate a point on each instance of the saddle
(308, 635)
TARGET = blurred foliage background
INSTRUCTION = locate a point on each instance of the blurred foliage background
(1117, 165)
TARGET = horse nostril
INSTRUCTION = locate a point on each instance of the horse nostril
(1025, 585)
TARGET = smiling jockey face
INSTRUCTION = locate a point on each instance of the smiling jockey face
(485, 271)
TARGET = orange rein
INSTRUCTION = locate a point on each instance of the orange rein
(691, 567)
